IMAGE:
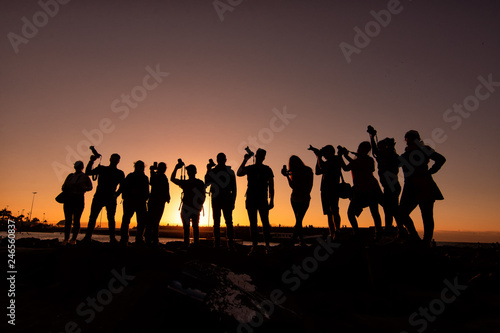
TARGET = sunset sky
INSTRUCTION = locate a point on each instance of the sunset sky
(162, 80)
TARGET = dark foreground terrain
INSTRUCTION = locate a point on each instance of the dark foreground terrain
(323, 287)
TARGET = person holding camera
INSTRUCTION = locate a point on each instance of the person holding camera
(160, 194)
(74, 188)
(260, 188)
(192, 200)
(135, 193)
(419, 187)
(388, 168)
(329, 166)
(222, 182)
(366, 190)
(105, 195)
(300, 179)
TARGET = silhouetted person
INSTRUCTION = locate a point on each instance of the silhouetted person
(160, 194)
(419, 187)
(260, 179)
(74, 188)
(329, 166)
(300, 178)
(366, 190)
(222, 183)
(388, 168)
(105, 195)
(135, 192)
(192, 200)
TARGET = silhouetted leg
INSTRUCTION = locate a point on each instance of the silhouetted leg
(266, 227)
(216, 207)
(228, 218)
(427, 211)
(128, 212)
(351, 214)
(80, 204)
(405, 208)
(299, 209)
(148, 232)
(252, 217)
(68, 217)
(195, 218)
(95, 209)
(185, 217)
(376, 219)
(141, 212)
(111, 211)
(156, 223)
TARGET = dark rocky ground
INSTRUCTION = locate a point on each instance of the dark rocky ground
(348, 287)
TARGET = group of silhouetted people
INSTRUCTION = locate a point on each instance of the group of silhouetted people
(146, 197)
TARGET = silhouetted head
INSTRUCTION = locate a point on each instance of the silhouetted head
(114, 159)
(387, 145)
(162, 167)
(328, 152)
(295, 163)
(191, 171)
(139, 166)
(364, 148)
(78, 166)
(260, 155)
(412, 137)
(221, 159)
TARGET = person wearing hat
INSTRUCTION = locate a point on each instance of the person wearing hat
(74, 188)
(192, 200)
(419, 187)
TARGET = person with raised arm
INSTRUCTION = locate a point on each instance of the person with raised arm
(300, 179)
(160, 194)
(109, 177)
(366, 189)
(192, 200)
(260, 189)
(222, 182)
(329, 166)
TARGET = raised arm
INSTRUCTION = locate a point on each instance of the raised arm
(241, 170)
(173, 177)
(88, 170)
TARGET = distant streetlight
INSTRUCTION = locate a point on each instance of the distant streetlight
(32, 202)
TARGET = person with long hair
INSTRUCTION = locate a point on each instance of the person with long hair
(300, 178)
(419, 188)
(366, 190)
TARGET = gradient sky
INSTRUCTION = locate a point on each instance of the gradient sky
(225, 79)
